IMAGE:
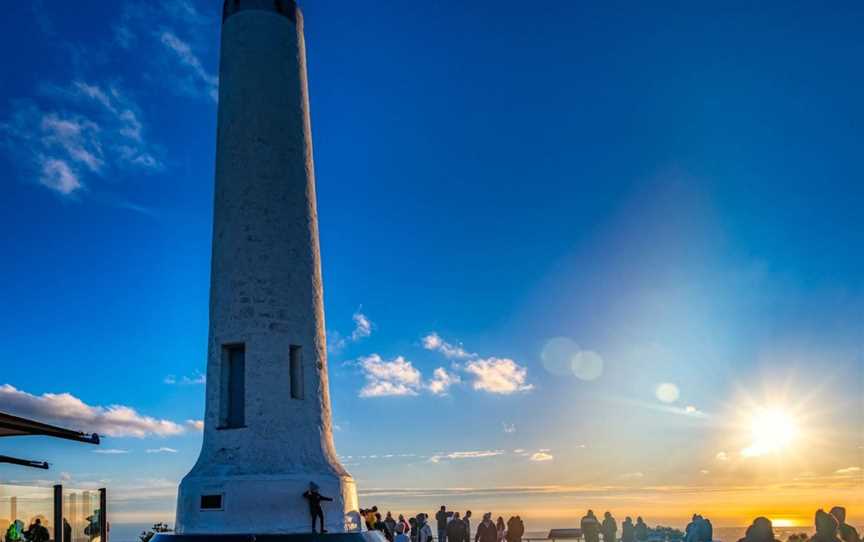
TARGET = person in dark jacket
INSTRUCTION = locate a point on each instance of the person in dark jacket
(826, 528)
(486, 531)
(640, 530)
(627, 530)
(847, 532)
(609, 528)
(456, 529)
(590, 527)
(761, 530)
(467, 521)
(315, 499)
(516, 530)
(37, 532)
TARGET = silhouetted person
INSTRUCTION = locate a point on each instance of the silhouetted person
(590, 527)
(640, 530)
(456, 529)
(847, 532)
(486, 531)
(515, 529)
(467, 521)
(424, 531)
(826, 527)
(760, 531)
(628, 533)
(390, 523)
(412, 533)
(315, 499)
(37, 532)
(699, 530)
(441, 518)
(609, 528)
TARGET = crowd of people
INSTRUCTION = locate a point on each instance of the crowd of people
(449, 527)
(36, 532)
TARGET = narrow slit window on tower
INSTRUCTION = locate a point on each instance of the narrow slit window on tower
(233, 388)
(296, 363)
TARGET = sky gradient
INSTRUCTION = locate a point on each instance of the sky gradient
(570, 251)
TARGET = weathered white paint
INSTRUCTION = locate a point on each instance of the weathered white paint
(266, 292)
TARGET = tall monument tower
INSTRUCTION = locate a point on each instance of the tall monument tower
(267, 426)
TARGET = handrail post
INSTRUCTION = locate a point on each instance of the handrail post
(58, 514)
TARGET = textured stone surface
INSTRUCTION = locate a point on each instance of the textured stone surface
(266, 292)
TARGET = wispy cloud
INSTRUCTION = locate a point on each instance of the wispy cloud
(182, 51)
(848, 470)
(197, 378)
(67, 410)
(441, 381)
(632, 475)
(197, 425)
(161, 450)
(477, 454)
(386, 378)
(87, 133)
(362, 326)
(509, 428)
(433, 341)
(542, 456)
(110, 451)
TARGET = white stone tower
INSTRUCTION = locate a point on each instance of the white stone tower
(267, 426)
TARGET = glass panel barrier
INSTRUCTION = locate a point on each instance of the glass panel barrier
(81, 515)
(21, 507)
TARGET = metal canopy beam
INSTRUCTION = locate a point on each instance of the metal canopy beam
(14, 426)
(23, 462)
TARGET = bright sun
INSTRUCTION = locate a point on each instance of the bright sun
(773, 430)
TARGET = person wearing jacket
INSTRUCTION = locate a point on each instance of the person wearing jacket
(847, 532)
(627, 530)
(640, 530)
(609, 528)
(315, 499)
(826, 528)
(760, 531)
(590, 527)
(456, 529)
(486, 531)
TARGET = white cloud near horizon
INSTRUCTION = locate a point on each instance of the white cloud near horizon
(110, 451)
(69, 411)
(542, 456)
(161, 450)
(475, 454)
(197, 425)
(388, 378)
(197, 378)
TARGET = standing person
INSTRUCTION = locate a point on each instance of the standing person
(467, 521)
(500, 529)
(412, 532)
(441, 517)
(641, 530)
(847, 532)
(456, 529)
(511, 528)
(609, 528)
(520, 529)
(400, 533)
(424, 531)
(406, 528)
(315, 499)
(369, 516)
(760, 531)
(37, 532)
(627, 531)
(826, 528)
(590, 527)
(486, 531)
(390, 523)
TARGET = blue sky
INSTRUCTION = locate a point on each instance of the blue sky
(670, 191)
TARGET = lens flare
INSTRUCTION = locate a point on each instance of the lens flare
(773, 430)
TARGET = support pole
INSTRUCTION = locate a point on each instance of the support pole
(103, 514)
(58, 514)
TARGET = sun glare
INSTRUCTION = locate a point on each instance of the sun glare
(773, 430)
